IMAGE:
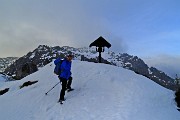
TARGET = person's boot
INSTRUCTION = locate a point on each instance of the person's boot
(69, 89)
(61, 101)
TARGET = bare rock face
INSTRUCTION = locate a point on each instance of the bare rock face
(177, 98)
(25, 70)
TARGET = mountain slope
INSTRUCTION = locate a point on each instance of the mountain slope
(101, 92)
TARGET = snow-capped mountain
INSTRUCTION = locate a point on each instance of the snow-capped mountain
(102, 92)
(45, 54)
(4, 62)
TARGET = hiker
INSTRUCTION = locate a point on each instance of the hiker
(65, 76)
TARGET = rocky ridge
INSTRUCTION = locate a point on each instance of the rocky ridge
(45, 54)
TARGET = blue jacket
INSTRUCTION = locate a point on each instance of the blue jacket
(65, 68)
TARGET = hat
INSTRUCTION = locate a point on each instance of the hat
(70, 55)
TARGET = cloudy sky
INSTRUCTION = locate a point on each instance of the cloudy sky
(144, 28)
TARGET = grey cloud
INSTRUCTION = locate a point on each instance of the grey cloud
(25, 25)
(167, 63)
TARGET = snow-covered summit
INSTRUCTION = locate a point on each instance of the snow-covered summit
(102, 92)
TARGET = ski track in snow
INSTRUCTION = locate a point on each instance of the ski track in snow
(102, 92)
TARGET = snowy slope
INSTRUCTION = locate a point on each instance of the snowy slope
(102, 92)
(2, 80)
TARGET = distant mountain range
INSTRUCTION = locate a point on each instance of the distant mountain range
(45, 54)
(5, 62)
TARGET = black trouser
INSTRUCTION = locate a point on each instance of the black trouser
(66, 84)
(69, 82)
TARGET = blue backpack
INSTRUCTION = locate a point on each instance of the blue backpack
(58, 63)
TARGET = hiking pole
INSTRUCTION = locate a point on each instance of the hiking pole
(52, 88)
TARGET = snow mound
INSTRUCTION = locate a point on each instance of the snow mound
(102, 92)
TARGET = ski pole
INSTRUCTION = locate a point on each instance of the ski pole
(52, 88)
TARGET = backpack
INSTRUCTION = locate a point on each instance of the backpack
(57, 69)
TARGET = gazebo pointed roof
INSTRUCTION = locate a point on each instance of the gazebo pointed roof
(100, 42)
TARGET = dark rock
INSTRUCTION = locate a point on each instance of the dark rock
(177, 98)
(4, 91)
(25, 69)
(28, 83)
